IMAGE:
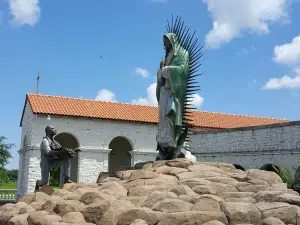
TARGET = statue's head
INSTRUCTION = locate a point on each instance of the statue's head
(170, 41)
(167, 42)
(186, 145)
(50, 131)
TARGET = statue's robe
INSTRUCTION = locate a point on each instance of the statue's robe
(170, 93)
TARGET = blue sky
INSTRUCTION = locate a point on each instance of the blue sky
(251, 62)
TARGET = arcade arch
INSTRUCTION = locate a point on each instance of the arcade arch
(119, 157)
(270, 167)
(68, 140)
(239, 167)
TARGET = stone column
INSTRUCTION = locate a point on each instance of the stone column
(91, 163)
(34, 170)
(20, 175)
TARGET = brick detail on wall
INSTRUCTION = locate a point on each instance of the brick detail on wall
(251, 147)
(26, 136)
(91, 163)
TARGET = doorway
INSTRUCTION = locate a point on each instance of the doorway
(119, 157)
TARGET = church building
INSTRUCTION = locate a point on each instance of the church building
(111, 136)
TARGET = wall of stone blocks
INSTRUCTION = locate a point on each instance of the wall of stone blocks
(91, 163)
(23, 174)
(251, 147)
(25, 141)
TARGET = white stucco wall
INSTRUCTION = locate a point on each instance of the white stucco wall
(26, 136)
(91, 163)
(95, 133)
(94, 137)
(251, 147)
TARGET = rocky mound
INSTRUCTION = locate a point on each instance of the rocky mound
(176, 192)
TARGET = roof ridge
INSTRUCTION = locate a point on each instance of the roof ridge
(234, 114)
(94, 100)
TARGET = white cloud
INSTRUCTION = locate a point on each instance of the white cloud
(24, 12)
(297, 71)
(142, 72)
(288, 54)
(284, 82)
(151, 98)
(233, 18)
(106, 95)
(197, 100)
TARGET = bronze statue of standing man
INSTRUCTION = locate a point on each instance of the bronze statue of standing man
(53, 156)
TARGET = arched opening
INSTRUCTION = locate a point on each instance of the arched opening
(239, 167)
(68, 140)
(119, 157)
(271, 167)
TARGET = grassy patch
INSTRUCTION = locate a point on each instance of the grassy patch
(11, 185)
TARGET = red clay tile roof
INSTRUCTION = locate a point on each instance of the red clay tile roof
(55, 105)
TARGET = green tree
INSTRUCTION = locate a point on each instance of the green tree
(4, 179)
(5, 155)
(12, 174)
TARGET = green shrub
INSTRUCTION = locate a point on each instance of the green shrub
(296, 184)
(286, 177)
(54, 177)
(12, 174)
(4, 179)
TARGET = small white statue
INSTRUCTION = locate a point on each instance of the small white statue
(184, 149)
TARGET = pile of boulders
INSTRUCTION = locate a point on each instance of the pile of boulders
(176, 192)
